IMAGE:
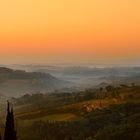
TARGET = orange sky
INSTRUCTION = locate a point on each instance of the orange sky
(69, 31)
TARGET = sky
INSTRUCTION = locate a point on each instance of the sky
(69, 31)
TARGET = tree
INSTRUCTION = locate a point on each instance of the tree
(10, 133)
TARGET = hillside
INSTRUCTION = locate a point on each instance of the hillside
(110, 113)
(18, 82)
(88, 76)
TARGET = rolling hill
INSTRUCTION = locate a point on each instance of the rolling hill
(18, 82)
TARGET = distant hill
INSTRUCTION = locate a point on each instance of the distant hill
(18, 82)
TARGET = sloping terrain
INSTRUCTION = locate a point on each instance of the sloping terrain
(17, 82)
(112, 113)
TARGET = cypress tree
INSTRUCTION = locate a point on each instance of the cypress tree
(10, 133)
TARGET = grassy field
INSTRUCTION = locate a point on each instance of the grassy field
(66, 112)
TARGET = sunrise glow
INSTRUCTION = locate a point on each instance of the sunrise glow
(69, 31)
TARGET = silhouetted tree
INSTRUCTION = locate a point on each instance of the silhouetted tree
(10, 133)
